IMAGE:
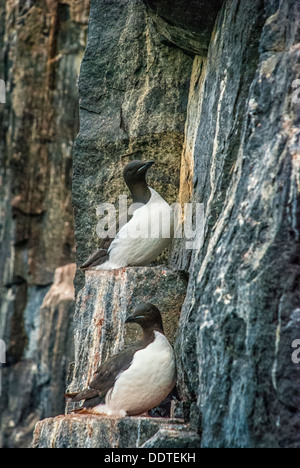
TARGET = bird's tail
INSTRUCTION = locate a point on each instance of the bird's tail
(84, 395)
(71, 395)
(98, 258)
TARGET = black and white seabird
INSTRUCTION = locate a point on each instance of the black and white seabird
(138, 378)
(153, 221)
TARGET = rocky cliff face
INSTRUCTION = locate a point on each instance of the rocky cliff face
(206, 91)
(133, 101)
(106, 301)
(88, 432)
(42, 45)
(239, 158)
(241, 314)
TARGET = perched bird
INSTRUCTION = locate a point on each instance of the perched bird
(138, 378)
(147, 233)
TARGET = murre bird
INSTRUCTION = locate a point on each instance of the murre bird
(138, 378)
(147, 233)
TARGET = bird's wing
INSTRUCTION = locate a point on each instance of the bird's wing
(86, 394)
(97, 258)
(101, 255)
(106, 375)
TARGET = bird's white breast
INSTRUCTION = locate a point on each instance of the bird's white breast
(147, 382)
(144, 237)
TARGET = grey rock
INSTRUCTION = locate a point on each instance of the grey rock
(240, 158)
(168, 437)
(105, 302)
(229, 116)
(41, 47)
(93, 432)
(186, 24)
(33, 388)
(102, 306)
(133, 99)
(234, 345)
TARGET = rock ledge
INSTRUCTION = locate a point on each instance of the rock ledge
(84, 431)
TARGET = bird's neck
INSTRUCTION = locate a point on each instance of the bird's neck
(149, 336)
(140, 192)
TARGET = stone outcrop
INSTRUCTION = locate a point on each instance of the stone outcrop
(240, 158)
(206, 90)
(133, 101)
(103, 305)
(91, 432)
(241, 314)
(187, 25)
(41, 48)
(33, 388)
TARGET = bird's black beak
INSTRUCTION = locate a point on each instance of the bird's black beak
(134, 319)
(130, 319)
(146, 166)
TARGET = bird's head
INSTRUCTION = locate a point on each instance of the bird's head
(135, 172)
(148, 317)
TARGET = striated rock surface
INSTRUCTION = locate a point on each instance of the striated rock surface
(186, 24)
(55, 348)
(240, 158)
(133, 99)
(103, 305)
(241, 314)
(41, 48)
(94, 432)
(231, 116)
(33, 387)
